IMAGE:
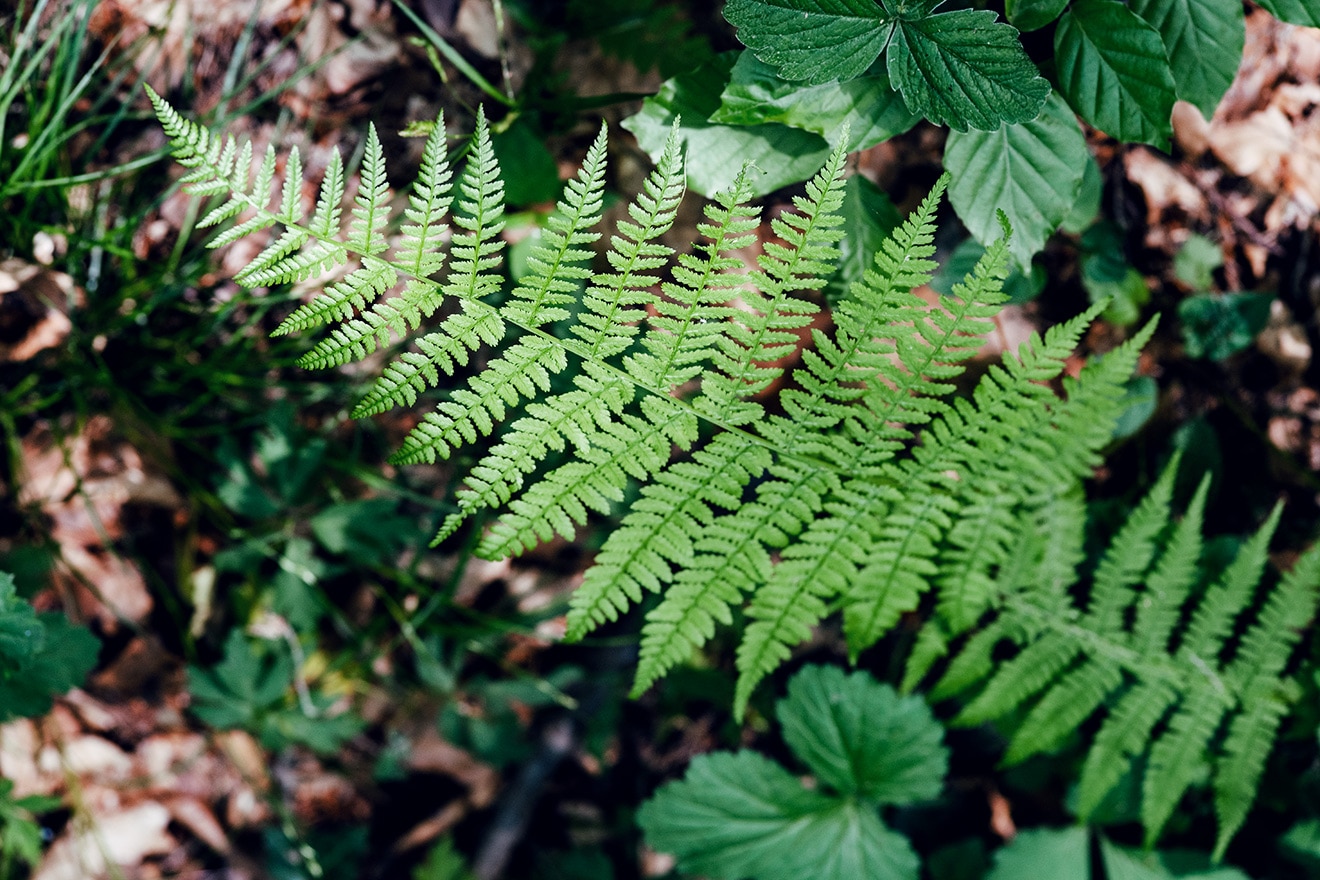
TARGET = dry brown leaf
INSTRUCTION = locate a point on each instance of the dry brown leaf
(124, 838)
(34, 305)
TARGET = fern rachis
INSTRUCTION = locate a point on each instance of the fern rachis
(875, 488)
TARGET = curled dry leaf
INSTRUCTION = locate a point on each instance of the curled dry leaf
(83, 493)
(123, 838)
(34, 306)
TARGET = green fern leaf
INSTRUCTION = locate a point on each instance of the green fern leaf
(1125, 734)
(763, 331)
(663, 528)
(475, 253)
(614, 300)
(632, 447)
(428, 204)
(731, 559)
(688, 321)
(822, 563)
(556, 264)
(414, 372)
(1179, 757)
(576, 416)
(524, 369)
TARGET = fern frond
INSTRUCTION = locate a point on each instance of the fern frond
(633, 447)
(664, 527)
(341, 300)
(1179, 757)
(822, 563)
(688, 319)
(556, 264)
(475, 252)
(462, 332)
(1261, 658)
(613, 301)
(763, 331)
(524, 369)
(576, 416)
(428, 205)
(358, 337)
(1170, 584)
(366, 234)
(1125, 734)
(731, 560)
(1231, 593)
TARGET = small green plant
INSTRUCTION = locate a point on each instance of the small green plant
(1215, 325)
(869, 488)
(41, 655)
(20, 835)
(1015, 144)
(741, 815)
(257, 686)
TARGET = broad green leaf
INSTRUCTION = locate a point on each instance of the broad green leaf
(1031, 171)
(965, 69)
(1303, 12)
(861, 738)
(1140, 397)
(1114, 71)
(1196, 262)
(742, 815)
(1204, 40)
(21, 634)
(868, 217)
(1216, 325)
(1062, 854)
(1087, 206)
(715, 153)
(537, 176)
(1031, 15)
(868, 105)
(67, 654)
(812, 40)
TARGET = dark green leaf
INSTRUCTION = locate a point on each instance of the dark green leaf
(1196, 262)
(812, 40)
(861, 738)
(965, 69)
(868, 217)
(536, 178)
(369, 531)
(715, 153)
(67, 655)
(1204, 40)
(868, 105)
(21, 633)
(1122, 863)
(1061, 854)
(1114, 71)
(1030, 15)
(1216, 326)
(1140, 398)
(1031, 171)
(1303, 12)
(241, 686)
(742, 815)
(443, 862)
(1084, 210)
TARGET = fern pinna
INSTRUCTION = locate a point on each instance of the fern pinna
(869, 486)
